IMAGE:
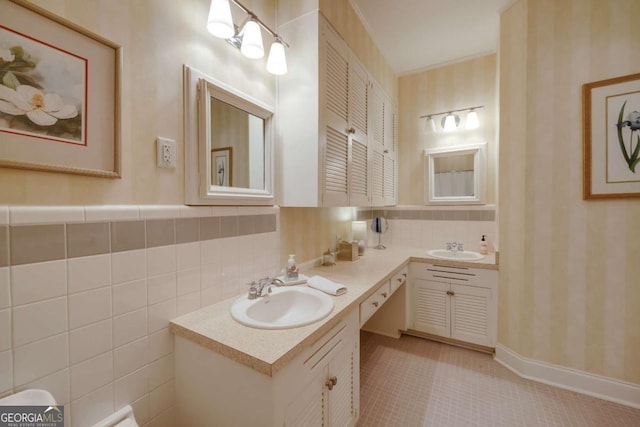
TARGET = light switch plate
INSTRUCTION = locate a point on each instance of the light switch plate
(166, 153)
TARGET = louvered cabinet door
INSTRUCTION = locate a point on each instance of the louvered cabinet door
(377, 176)
(336, 145)
(342, 411)
(470, 314)
(309, 407)
(389, 179)
(431, 307)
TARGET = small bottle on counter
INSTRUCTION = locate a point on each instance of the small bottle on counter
(484, 248)
(292, 268)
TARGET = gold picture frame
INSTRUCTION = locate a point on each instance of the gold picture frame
(59, 94)
(611, 119)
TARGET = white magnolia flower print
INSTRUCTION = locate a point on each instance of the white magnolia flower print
(42, 109)
(6, 55)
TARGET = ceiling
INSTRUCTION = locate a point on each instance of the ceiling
(415, 35)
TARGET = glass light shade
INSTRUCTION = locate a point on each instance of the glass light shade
(359, 230)
(220, 22)
(252, 41)
(450, 122)
(430, 125)
(472, 120)
(277, 61)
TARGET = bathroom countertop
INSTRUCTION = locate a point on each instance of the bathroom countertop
(268, 351)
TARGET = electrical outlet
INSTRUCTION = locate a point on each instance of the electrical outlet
(166, 153)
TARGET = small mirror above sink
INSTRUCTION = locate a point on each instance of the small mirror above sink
(283, 308)
(455, 256)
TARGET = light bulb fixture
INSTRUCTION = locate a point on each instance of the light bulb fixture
(220, 22)
(277, 61)
(251, 46)
(430, 125)
(472, 120)
(249, 38)
(450, 121)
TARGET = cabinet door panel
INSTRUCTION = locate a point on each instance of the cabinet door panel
(470, 314)
(431, 307)
(308, 409)
(340, 398)
(358, 174)
(336, 189)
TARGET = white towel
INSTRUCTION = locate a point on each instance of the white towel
(326, 285)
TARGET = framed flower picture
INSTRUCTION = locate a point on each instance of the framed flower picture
(59, 94)
(611, 115)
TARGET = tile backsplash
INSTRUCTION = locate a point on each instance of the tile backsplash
(431, 227)
(86, 294)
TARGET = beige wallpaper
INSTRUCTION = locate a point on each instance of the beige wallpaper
(157, 37)
(460, 85)
(569, 274)
(309, 232)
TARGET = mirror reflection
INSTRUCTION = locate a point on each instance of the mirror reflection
(237, 147)
(228, 144)
(453, 176)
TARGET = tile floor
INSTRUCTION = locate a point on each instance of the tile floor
(416, 382)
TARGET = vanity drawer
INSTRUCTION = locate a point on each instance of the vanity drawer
(374, 302)
(399, 278)
(446, 273)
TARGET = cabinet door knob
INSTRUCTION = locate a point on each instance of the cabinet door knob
(384, 295)
(451, 293)
(331, 382)
(386, 151)
(351, 130)
(375, 303)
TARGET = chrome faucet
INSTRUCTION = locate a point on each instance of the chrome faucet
(256, 288)
(454, 247)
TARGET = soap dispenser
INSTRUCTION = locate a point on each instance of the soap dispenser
(484, 248)
(292, 269)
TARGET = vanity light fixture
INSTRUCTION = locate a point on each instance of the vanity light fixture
(472, 120)
(249, 37)
(450, 121)
(430, 125)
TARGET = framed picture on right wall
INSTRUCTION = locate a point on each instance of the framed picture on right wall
(611, 122)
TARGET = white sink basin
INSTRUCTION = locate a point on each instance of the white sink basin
(285, 307)
(458, 256)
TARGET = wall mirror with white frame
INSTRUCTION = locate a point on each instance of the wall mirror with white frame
(228, 144)
(455, 175)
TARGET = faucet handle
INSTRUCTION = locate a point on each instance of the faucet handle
(461, 247)
(253, 290)
(449, 245)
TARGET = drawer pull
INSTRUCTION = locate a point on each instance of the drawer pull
(451, 293)
(375, 303)
(384, 294)
(331, 382)
(399, 279)
(404, 275)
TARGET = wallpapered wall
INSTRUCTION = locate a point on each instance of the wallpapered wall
(157, 37)
(569, 270)
(460, 85)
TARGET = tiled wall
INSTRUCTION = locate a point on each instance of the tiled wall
(428, 228)
(86, 294)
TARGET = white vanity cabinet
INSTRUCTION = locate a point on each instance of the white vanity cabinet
(454, 302)
(319, 387)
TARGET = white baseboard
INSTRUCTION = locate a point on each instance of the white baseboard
(599, 386)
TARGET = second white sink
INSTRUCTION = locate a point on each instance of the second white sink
(285, 307)
(458, 256)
